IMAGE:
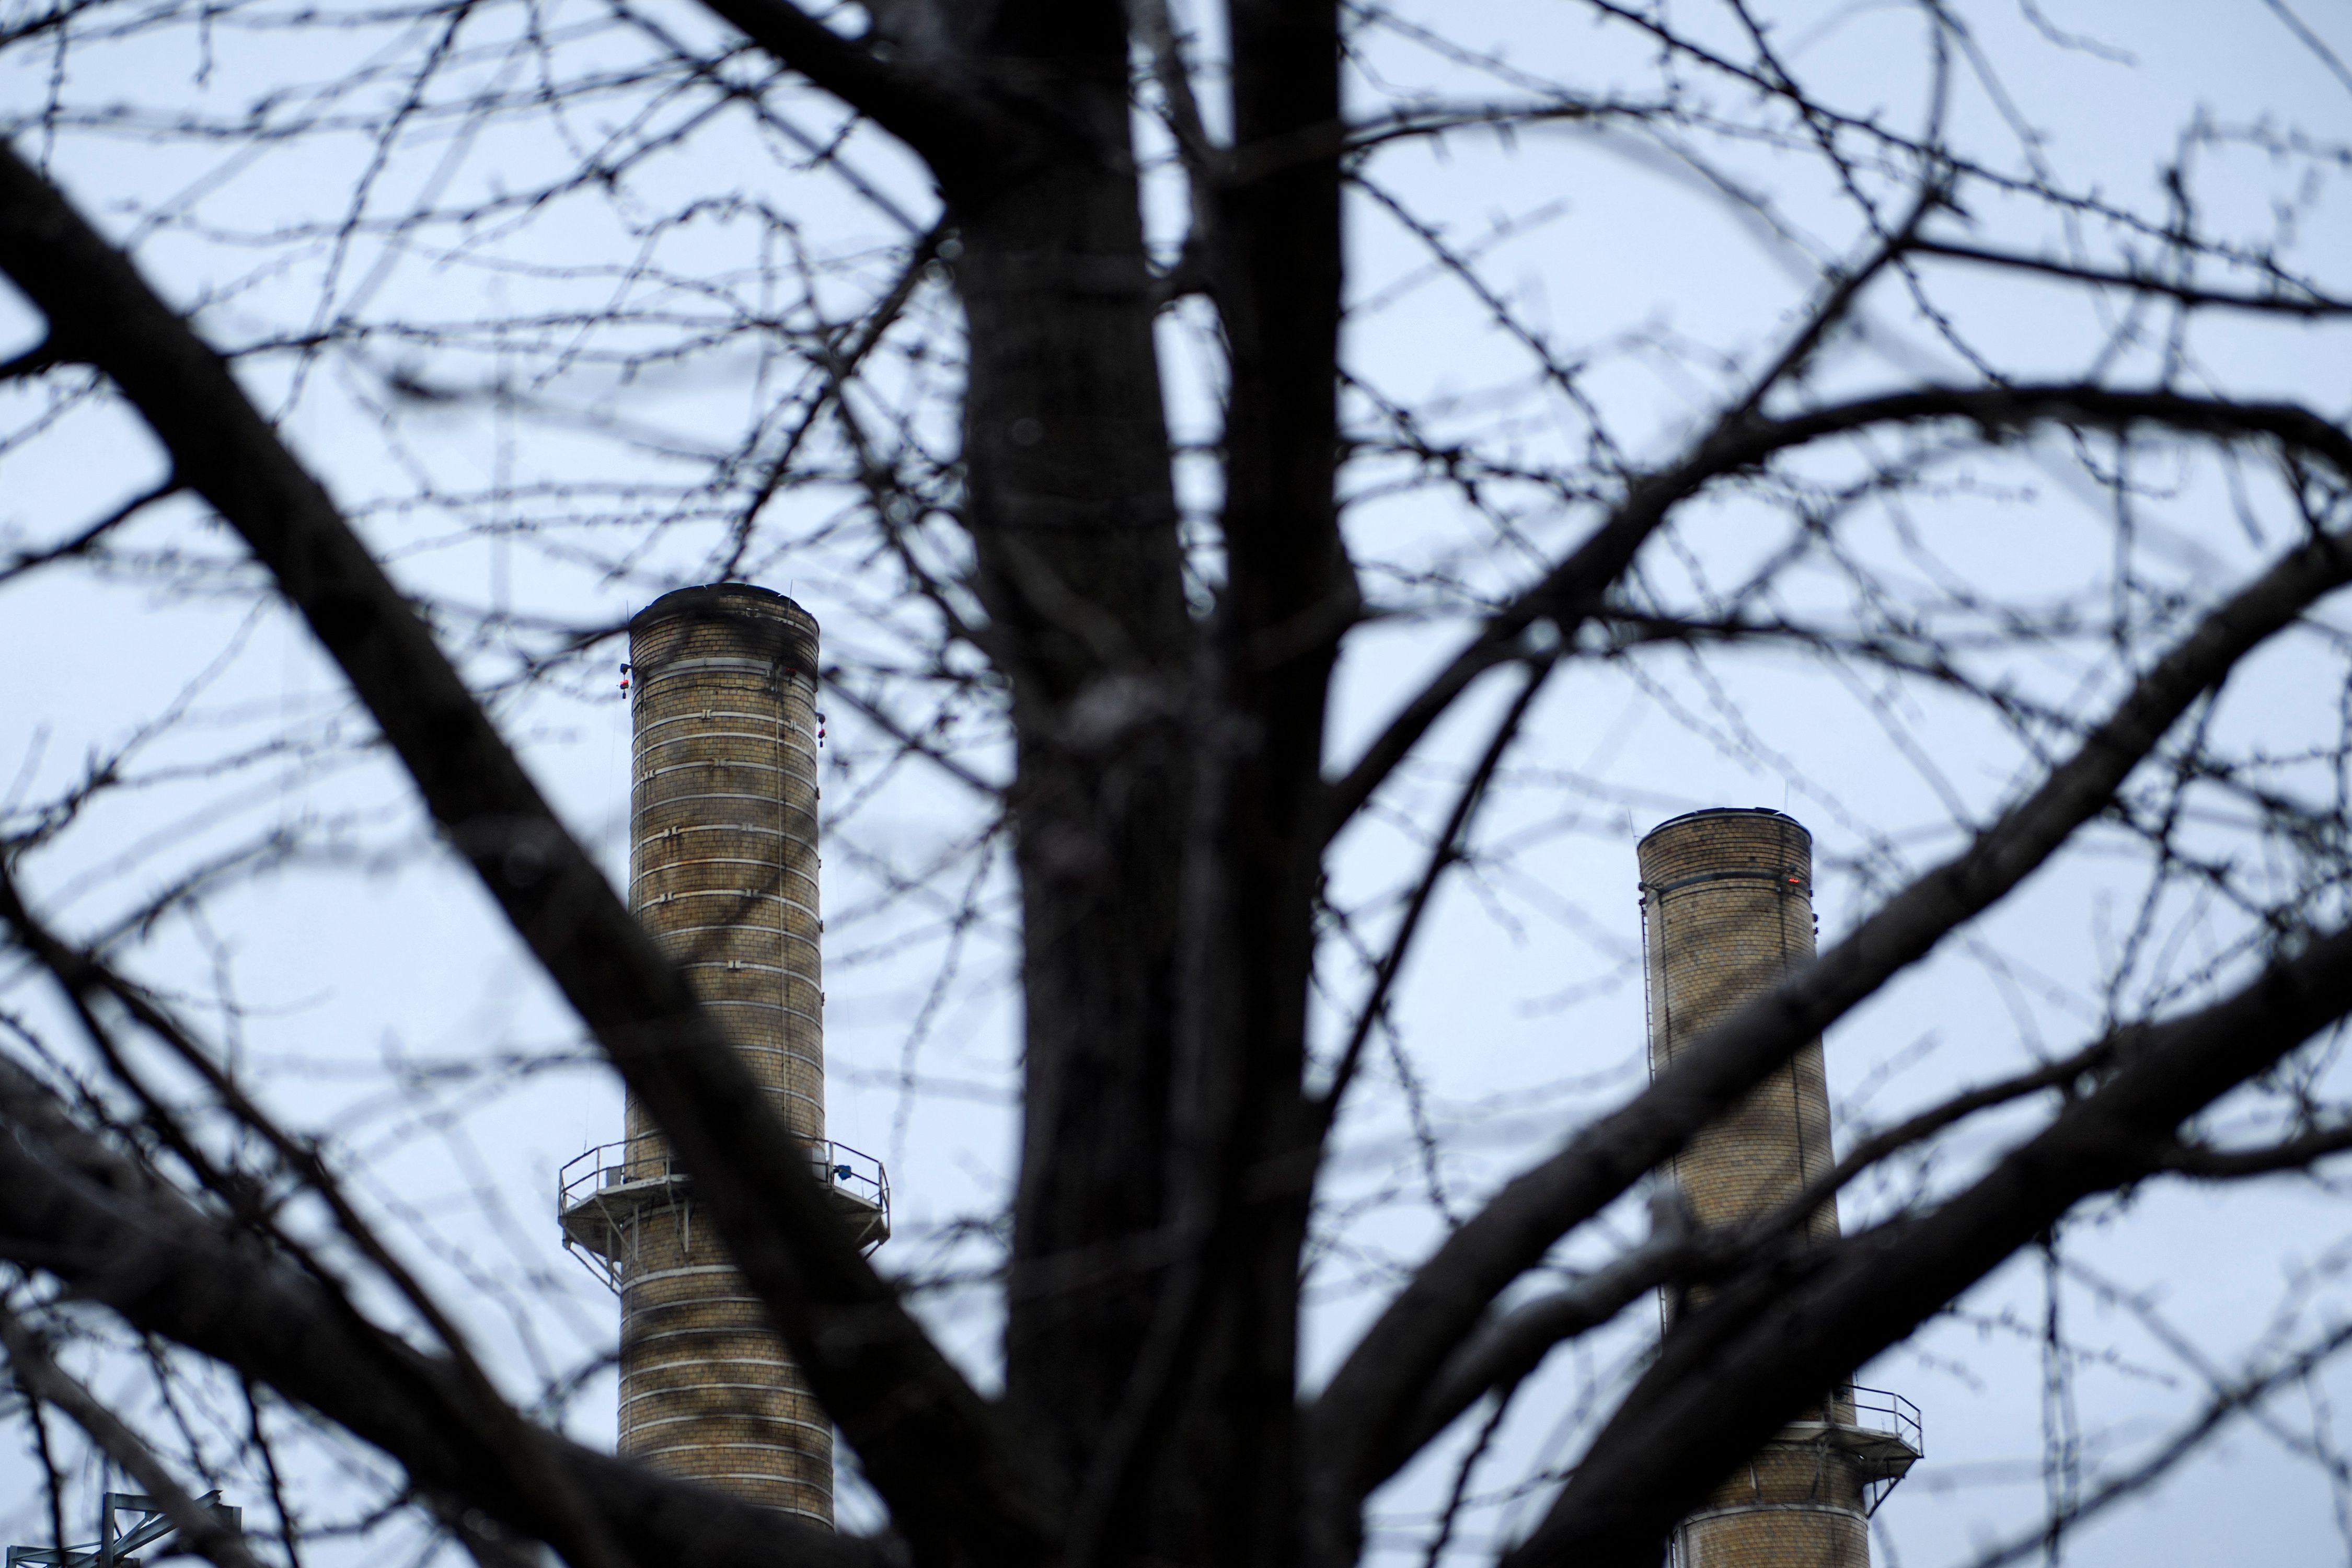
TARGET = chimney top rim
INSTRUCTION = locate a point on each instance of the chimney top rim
(1751, 811)
(719, 600)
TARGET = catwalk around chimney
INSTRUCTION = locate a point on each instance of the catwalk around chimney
(723, 869)
(1726, 911)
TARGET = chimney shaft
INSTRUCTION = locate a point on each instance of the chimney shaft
(723, 870)
(1726, 911)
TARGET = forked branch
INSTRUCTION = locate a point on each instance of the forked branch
(956, 1486)
(114, 1233)
(1574, 591)
(38, 1371)
(1763, 1347)
(1383, 1380)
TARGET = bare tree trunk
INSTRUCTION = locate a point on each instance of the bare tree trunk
(1252, 1140)
(1072, 514)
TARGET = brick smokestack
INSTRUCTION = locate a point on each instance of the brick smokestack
(1726, 911)
(723, 870)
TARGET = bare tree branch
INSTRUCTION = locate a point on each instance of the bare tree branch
(1572, 592)
(961, 129)
(1108, 539)
(1502, 1352)
(1447, 850)
(1735, 1369)
(39, 1371)
(2234, 1398)
(2311, 306)
(1383, 1376)
(86, 980)
(117, 1235)
(958, 1485)
(2297, 1153)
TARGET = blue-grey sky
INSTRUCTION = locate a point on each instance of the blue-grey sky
(551, 485)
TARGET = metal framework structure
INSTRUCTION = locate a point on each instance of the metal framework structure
(115, 1545)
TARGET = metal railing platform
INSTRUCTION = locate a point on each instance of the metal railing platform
(604, 1193)
(1880, 1435)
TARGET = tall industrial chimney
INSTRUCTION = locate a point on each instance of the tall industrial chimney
(1726, 911)
(723, 869)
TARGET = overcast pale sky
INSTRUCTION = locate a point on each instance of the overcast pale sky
(374, 989)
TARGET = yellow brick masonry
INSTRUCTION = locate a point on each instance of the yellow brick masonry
(723, 869)
(1727, 910)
